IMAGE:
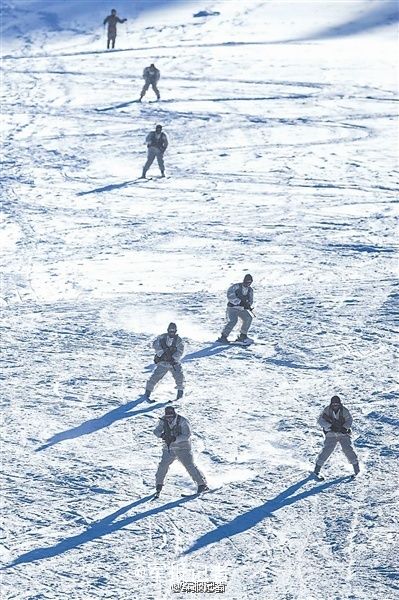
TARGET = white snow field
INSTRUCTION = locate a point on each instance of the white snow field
(282, 123)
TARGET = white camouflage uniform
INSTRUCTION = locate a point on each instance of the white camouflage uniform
(180, 449)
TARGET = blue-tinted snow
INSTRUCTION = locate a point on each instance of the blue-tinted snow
(282, 119)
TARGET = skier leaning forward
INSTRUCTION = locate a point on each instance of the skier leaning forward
(175, 431)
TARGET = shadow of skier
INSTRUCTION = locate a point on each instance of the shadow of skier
(96, 530)
(253, 517)
(206, 352)
(122, 412)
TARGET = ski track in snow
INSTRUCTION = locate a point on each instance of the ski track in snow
(281, 166)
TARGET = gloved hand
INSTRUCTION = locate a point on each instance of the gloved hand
(345, 430)
(245, 304)
(172, 439)
(336, 428)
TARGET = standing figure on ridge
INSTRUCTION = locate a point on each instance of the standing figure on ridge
(151, 77)
(240, 297)
(112, 20)
(336, 422)
(169, 348)
(175, 431)
(157, 142)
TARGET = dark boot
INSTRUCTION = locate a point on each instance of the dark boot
(179, 394)
(223, 339)
(202, 488)
(147, 395)
(159, 487)
(162, 173)
(242, 337)
(317, 470)
(356, 469)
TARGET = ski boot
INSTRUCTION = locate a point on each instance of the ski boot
(147, 395)
(316, 473)
(223, 339)
(158, 490)
(202, 488)
(244, 339)
(356, 471)
(179, 394)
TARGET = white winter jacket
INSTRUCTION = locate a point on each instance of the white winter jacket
(170, 342)
(180, 428)
(328, 417)
(238, 292)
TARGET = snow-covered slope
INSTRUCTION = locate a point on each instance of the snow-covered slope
(282, 121)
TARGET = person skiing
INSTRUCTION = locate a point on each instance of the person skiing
(240, 297)
(112, 20)
(175, 431)
(157, 142)
(151, 76)
(336, 422)
(169, 348)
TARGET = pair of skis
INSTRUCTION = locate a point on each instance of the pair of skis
(322, 478)
(192, 495)
(236, 343)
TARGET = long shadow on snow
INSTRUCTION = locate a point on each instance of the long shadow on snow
(280, 362)
(211, 350)
(107, 188)
(122, 412)
(205, 99)
(97, 530)
(253, 517)
(122, 105)
(214, 348)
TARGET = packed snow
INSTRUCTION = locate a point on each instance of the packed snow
(282, 162)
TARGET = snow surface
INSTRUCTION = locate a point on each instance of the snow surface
(282, 120)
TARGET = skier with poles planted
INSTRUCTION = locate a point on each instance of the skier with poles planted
(240, 297)
(111, 21)
(336, 422)
(175, 431)
(169, 348)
